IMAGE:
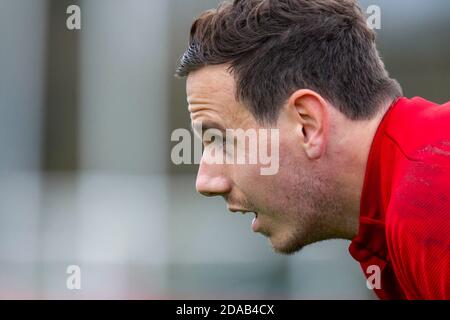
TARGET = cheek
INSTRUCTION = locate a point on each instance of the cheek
(245, 175)
(274, 191)
(282, 189)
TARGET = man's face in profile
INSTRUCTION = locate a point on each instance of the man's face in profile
(288, 205)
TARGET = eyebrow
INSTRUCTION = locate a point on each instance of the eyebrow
(206, 125)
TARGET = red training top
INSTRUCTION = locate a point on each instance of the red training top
(405, 203)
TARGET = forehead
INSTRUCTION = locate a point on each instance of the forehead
(211, 82)
(211, 95)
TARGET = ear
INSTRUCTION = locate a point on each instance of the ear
(311, 113)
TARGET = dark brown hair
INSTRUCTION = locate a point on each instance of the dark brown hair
(275, 47)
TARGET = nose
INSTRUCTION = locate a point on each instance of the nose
(212, 180)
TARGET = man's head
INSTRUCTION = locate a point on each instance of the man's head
(310, 69)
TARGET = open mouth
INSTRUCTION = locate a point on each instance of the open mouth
(255, 221)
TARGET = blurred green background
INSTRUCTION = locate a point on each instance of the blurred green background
(85, 170)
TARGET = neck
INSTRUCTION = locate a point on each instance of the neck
(353, 150)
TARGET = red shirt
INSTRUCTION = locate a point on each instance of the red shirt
(405, 203)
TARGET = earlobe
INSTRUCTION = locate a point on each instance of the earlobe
(311, 111)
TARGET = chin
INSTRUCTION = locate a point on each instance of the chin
(286, 246)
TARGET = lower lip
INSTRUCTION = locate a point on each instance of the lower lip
(255, 224)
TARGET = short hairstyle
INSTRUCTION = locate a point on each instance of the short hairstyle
(275, 47)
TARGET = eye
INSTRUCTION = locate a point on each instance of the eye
(213, 138)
